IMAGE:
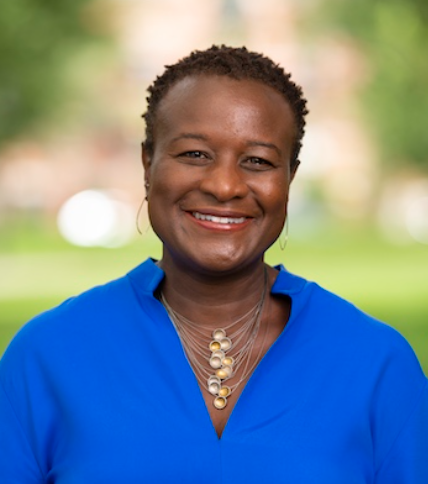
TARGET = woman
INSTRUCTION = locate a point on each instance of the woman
(139, 380)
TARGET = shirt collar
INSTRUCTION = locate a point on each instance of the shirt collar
(147, 277)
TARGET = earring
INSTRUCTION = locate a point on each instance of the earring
(140, 208)
(283, 236)
(137, 220)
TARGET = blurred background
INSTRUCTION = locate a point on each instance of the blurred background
(73, 81)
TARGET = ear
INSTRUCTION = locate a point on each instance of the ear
(147, 163)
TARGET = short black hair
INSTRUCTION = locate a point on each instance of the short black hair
(236, 63)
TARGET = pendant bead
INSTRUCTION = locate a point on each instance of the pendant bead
(214, 388)
(215, 346)
(215, 362)
(220, 402)
(228, 361)
(224, 372)
(226, 344)
(219, 334)
(214, 379)
(219, 354)
(224, 391)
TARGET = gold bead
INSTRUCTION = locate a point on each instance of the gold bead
(224, 373)
(226, 344)
(227, 360)
(221, 374)
(215, 346)
(224, 391)
(219, 334)
(220, 402)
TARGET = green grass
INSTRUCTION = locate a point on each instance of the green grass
(39, 271)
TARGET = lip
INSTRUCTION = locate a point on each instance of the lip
(219, 220)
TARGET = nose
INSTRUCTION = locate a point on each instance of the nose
(225, 180)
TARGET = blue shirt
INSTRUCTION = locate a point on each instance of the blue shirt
(98, 390)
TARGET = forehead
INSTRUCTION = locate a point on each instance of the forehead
(220, 98)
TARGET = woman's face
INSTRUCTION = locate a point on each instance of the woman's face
(220, 172)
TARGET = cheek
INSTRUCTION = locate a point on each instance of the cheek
(275, 208)
(275, 196)
(170, 178)
(161, 187)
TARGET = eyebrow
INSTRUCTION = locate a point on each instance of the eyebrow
(196, 136)
(265, 145)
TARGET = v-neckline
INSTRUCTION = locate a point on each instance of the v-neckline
(285, 284)
(250, 381)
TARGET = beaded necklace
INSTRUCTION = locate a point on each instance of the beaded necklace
(215, 358)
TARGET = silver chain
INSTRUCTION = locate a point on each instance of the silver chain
(218, 357)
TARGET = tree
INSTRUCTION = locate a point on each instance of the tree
(37, 39)
(394, 36)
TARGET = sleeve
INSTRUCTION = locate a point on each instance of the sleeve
(17, 461)
(407, 461)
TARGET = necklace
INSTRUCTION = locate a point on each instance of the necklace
(216, 358)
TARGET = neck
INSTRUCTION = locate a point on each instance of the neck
(212, 299)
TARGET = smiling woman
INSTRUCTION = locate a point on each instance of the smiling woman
(221, 168)
(193, 366)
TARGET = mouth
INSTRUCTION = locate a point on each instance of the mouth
(218, 219)
(217, 222)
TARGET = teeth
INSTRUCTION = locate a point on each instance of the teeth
(219, 220)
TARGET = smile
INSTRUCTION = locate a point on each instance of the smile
(219, 220)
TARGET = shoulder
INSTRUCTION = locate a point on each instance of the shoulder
(94, 318)
(71, 325)
(346, 332)
(87, 308)
(361, 361)
(371, 356)
(91, 310)
(344, 321)
(331, 313)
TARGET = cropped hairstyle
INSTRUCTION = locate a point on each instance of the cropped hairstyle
(236, 63)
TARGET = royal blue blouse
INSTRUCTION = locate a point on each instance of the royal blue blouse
(98, 390)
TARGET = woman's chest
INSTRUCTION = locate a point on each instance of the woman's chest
(166, 436)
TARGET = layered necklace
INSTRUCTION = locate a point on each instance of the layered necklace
(218, 357)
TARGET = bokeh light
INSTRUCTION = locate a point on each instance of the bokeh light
(94, 218)
(417, 219)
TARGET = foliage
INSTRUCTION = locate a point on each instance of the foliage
(37, 40)
(394, 38)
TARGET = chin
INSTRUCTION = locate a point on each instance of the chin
(222, 263)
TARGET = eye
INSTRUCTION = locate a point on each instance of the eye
(256, 163)
(194, 157)
(193, 154)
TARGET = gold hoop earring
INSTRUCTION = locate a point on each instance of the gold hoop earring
(140, 208)
(283, 236)
(137, 220)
